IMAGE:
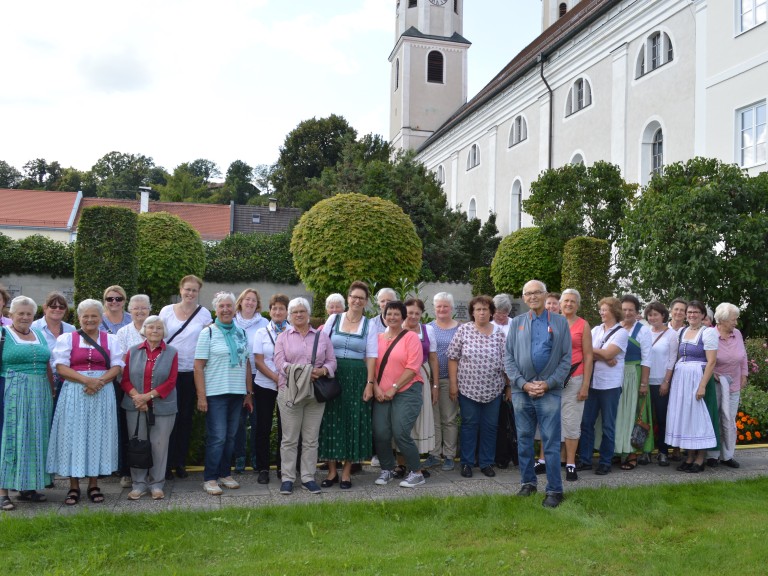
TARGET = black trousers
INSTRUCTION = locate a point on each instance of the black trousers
(264, 408)
(186, 401)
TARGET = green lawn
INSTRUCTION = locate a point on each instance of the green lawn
(704, 528)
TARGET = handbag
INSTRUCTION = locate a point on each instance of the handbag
(640, 429)
(326, 387)
(139, 452)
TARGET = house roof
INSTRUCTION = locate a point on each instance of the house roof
(579, 17)
(212, 221)
(260, 219)
(37, 208)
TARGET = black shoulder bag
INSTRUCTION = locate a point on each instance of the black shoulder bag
(326, 388)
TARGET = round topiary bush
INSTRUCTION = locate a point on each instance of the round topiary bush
(350, 237)
(522, 256)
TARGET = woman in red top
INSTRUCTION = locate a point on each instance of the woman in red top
(398, 396)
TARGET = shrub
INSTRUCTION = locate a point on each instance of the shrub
(106, 251)
(257, 256)
(168, 249)
(352, 236)
(523, 255)
(586, 267)
(480, 278)
(757, 353)
(36, 254)
(752, 419)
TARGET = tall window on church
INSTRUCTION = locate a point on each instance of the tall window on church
(440, 174)
(456, 6)
(412, 3)
(562, 9)
(579, 97)
(656, 51)
(751, 13)
(397, 73)
(472, 212)
(435, 67)
(519, 131)
(657, 152)
(753, 144)
(473, 158)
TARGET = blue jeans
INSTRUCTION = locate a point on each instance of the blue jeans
(239, 450)
(221, 425)
(485, 418)
(545, 412)
(605, 403)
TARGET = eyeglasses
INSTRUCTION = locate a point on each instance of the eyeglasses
(139, 309)
(534, 293)
(57, 307)
(114, 299)
(357, 297)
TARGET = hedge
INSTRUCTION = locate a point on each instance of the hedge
(36, 254)
(586, 267)
(480, 278)
(522, 256)
(257, 256)
(106, 251)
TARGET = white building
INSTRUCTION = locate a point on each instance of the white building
(638, 83)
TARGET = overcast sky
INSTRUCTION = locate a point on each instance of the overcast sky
(184, 79)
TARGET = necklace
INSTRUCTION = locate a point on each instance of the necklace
(346, 316)
(19, 331)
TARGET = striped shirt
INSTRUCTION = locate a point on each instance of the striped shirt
(220, 377)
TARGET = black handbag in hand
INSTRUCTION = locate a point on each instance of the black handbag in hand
(139, 452)
(326, 388)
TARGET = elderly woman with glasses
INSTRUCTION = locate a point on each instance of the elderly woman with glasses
(224, 386)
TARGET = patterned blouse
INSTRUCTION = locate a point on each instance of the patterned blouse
(481, 362)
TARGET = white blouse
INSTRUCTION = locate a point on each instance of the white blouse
(63, 349)
(606, 377)
(186, 342)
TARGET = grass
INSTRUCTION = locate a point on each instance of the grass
(703, 528)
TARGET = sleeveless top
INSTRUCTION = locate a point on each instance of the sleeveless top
(577, 339)
(347, 345)
(633, 346)
(88, 359)
(693, 352)
(27, 358)
(443, 337)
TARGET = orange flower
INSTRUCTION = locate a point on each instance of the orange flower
(740, 414)
(741, 437)
(758, 435)
(739, 425)
(743, 418)
(749, 435)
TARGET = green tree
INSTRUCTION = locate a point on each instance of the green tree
(699, 231)
(586, 267)
(205, 169)
(351, 237)
(184, 185)
(522, 256)
(9, 176)
(119, 175)
(575, 200)
(168, 249)
(238, 184)
(312, 146)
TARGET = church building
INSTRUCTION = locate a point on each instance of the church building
(638, 83)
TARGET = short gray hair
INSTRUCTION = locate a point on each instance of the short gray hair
(136, 298)
(726, 311)
(154, 319)
(502, 302)
(90, 303)
(443, 297)
(384, 291)
(221, 296)
(334, 298)
(299, 301)
(574, 292)
(543, 286)
(21, 301)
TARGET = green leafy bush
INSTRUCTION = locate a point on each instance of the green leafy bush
(352, 236)
(36, 254)
(524, 255)
(169, 249)
(106, 251)
(480, 278)
(753, 406)
(586, 267)
(257, 256)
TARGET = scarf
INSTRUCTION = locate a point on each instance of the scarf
(232, 336)
(279, 328)
(245, 324)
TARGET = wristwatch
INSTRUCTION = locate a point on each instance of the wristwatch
(394, 385)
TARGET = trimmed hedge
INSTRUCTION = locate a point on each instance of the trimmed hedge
(480, 278)
(257, 256)
(106, 251)
(36, 254)
(522, 256)
(586, 267)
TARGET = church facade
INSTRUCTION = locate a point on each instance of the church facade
(638, 83)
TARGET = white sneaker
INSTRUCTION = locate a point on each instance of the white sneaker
(212, 487)
(229, 482)
(375, 462)
(384, 478)
(414, 479)
(126, 482)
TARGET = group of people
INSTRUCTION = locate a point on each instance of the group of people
(73, 398)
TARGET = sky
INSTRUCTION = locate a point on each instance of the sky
(179, 80)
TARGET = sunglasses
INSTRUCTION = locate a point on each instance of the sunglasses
(57, 306)
(114, 299)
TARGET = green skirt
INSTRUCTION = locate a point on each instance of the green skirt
(345, 433)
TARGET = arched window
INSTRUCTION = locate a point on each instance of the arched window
(456, 6)
(519, 131)
(435, 67)
(562, 9)
(440, 174)
(516, 207)
(412, 3)
(657, 152)
(577, 159)
(579, 96)
(472, 212)
(397, 73)
(473, 158)
(656, 51)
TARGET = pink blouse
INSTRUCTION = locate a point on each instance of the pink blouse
(407, 354)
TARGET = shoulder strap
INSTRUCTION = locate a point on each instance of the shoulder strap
(611, 333)
(387, 353)
(314, 348)
(180, 330)
(97, 346)
(659, 337)
(2, 343)
(270, 335)
(106, 328)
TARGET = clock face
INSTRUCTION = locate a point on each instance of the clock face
(437, 2)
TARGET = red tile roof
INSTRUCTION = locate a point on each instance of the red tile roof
(212, 221)
(36, 208)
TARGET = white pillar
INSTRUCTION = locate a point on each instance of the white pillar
(700, 91)
(492, 135)
(619, 108)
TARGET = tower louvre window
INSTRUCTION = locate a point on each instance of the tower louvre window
(435, 67)
(412, 3)
(562, 9)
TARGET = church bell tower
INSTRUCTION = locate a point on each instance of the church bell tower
(428, 79)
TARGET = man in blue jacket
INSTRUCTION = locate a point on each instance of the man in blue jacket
(537, 362)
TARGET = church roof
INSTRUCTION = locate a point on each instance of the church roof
(578, 18)
(415, 33)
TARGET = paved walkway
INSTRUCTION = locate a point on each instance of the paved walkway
(188, 494)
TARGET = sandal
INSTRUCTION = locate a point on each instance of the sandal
(399, 472)
(629, 463)
(31, 496)
(95, 495)
(5, 504)
(73, 497)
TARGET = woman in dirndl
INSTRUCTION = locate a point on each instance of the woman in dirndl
(346, 432)
(692, 416)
